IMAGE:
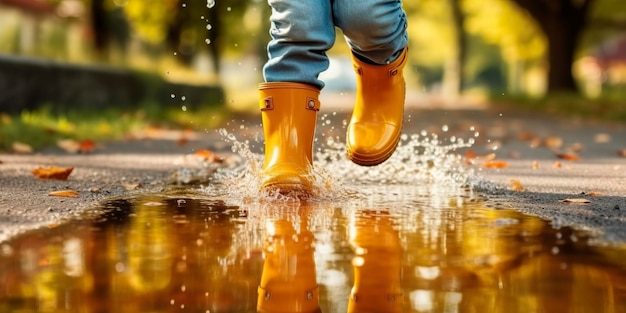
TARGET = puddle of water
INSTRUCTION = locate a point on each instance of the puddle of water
(400, 249)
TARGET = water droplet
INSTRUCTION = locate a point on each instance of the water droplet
(184, 108)
(183, 98)
(184, 5)
(208, 41)
(173, 96)
(210, 3)
(444, 128)
(209, 27)
(228, 9)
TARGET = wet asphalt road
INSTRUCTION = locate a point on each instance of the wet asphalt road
(532, 171)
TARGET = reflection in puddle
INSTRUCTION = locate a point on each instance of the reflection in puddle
(418, 254)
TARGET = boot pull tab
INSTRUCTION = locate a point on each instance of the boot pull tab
(268, 104)
(312, 104)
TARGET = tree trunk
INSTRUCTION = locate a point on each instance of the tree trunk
(563, 34)
(99, 27)
(562, 22)
(454, 72)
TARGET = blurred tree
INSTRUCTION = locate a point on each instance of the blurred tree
(456, 71)
(432, 40)
(519, 39)
(562, 22)
(188, 26)
(108, 26)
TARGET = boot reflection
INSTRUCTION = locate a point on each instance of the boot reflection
(288, 282)
(376, 264)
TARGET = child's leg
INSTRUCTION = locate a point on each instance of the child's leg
(374, 29)
(302, 32)
(376, 33)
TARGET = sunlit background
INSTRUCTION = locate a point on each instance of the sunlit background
(468, 46)
(190, 54)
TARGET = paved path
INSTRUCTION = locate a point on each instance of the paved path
(528, 145)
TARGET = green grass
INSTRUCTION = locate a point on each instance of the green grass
(604, 108)
(44, 127)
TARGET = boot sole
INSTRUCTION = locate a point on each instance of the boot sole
(373, 159)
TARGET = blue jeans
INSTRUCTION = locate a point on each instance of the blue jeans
(303, 30)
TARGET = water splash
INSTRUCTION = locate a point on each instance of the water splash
(420, 160)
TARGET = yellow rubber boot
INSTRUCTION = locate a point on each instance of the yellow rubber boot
(376, 123)
(376, 265)
(289, 114)
(288, 283)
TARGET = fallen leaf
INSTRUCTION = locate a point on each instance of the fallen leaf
(535, 142)
(21, 148)
(208, 156)
(64, 193)
(53, 172)
(495, 164)
(593, 194)
(602, 138)
(69, 145)
(569, 156)
(553, 142)
(575, 200)
(556, 164)
(87, 146)
(470, 154)
(622, 153)
(182, 141)
(526, 136)
(576, 147)
(131, 186)
(516, 185)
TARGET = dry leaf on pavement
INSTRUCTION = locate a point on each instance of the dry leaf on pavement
(516, 185)
(576, 200)
(21, 148)
(131, 186)
(593, 194)
(64, 193)
(495, 164)
(569, 156)
(53, 172)
(526, 136)
(208, 156)
(602, 138)
(75, 146)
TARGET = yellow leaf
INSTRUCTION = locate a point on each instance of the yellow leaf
(516, 185)
(64, 193)
(53, 172)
